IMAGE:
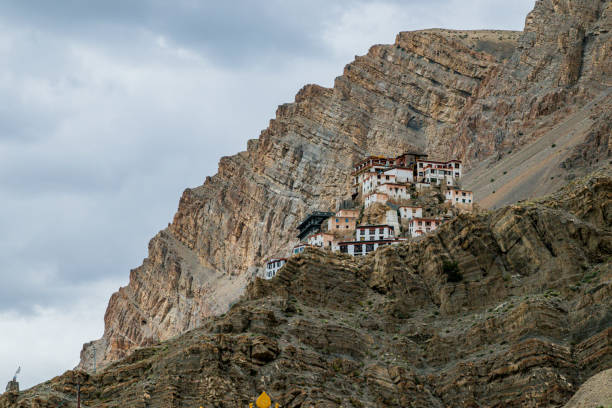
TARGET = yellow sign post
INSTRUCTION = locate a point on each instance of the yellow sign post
(263, 401)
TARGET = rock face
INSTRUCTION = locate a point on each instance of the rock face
(596, 392)
(445, 92)
(526, 324)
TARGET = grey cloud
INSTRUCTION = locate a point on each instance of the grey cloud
(101, 128)
(232, 32)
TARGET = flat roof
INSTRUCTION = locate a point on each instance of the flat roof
(322, 233)
(374, 226)
(301, 245)
(398, 168)
(314, 215)
(371, 158)
(368, 242)
(438, 162)
(425, 219)
(458, 189)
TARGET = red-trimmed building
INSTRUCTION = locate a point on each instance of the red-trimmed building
(436, 172)
(421, 226)
(374, 232)
(357, 248)
(460, 198)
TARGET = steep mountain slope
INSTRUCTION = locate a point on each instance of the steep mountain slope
(526, 324)
(445, 92)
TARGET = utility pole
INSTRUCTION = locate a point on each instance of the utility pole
(94, 359)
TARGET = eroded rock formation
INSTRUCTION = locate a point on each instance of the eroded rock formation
(526, 325)
(472, 94)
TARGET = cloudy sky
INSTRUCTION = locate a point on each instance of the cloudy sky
(109, 109)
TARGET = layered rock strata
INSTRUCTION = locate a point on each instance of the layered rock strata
(471, 94)
(527, 323)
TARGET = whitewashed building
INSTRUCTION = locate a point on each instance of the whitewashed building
(368, 166)
(462, 199)
(321, 240)
(408, 212)
(447, 172)
(372, 181)
(357, 248)
(401, 174)
(273, 266)
(298, 249)
(375, 198)
(374, 232)
(395, 191)
(439, 176)
(421, 226)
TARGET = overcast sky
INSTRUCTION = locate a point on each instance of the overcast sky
(109, 109)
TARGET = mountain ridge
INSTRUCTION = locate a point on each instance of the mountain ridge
(431, 90)
(527, 324)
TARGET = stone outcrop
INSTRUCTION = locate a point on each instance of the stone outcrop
(468, 93)
(527, 323)
(596, 392)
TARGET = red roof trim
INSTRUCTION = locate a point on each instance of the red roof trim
(368, 242)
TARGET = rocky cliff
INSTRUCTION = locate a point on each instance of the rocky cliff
(472, 94)
(510, 308)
